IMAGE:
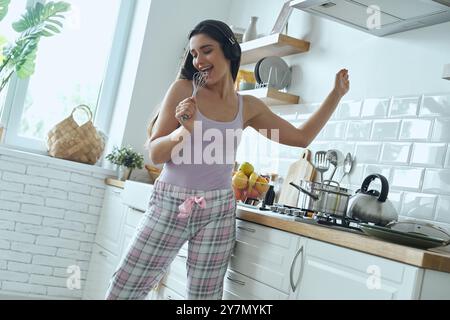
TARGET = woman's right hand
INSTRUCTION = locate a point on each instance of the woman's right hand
(185, 113)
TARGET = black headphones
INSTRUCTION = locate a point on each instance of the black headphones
(232, 51)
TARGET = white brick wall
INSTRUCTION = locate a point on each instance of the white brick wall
(49, 211)
(404, 138)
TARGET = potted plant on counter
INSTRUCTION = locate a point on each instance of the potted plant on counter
(126, 160)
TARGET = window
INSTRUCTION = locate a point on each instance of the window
(10, 35)
(81, 65)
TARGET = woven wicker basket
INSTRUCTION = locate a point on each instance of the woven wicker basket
(70, 141)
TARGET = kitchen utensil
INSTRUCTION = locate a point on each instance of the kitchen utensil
(275, 72)
(405, 238)
(371, 205)
(198, 81)
(299, 170)
(321, 163)
(333, 158)
(348, 164)
(268, 199)
(329, 199)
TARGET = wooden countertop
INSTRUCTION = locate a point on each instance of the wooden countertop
(115, 183)
(434, 259)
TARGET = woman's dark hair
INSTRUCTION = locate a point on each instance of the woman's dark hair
(222, 33)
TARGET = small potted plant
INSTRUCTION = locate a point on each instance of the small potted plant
(126, 160)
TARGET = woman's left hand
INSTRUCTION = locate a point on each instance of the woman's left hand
(342, 84)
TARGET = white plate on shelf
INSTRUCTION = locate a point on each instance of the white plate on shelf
(276, 70)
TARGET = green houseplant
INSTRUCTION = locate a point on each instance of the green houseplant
(126, 160)
(42, 20)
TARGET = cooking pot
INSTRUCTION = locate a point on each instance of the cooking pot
(328, 197)
(371, 205)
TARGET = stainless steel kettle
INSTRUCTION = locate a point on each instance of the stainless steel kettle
(371, 205)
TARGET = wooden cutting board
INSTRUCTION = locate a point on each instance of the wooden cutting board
(300, 170)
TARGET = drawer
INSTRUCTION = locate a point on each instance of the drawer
(137, 194)
(240, 287)
(166, 293)
(176, 277)
(264, 254)
(355, 261)
(133, 217)
(256, 234)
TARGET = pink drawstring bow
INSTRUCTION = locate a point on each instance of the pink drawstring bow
(186, 206)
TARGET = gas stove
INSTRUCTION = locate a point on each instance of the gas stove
(299, 215)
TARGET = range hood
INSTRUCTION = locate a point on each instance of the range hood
(379, 17)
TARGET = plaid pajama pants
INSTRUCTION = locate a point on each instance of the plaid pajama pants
(175, 215)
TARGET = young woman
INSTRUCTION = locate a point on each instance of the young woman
(195, 138)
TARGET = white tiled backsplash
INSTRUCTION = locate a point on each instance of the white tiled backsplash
(404, 138)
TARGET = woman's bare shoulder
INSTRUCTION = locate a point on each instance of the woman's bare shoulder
(253, 107)
(181, 87)
(252, 101)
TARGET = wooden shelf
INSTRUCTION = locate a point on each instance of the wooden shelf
(273, 45)
(272, 97)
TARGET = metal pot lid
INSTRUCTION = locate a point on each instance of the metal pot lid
(420, 228)
(404, 238)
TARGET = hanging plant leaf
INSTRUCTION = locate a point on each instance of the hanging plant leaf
(47, 15)
(4, 8)
(3, 41)
(38, 21)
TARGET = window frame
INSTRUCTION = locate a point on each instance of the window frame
(17, 89)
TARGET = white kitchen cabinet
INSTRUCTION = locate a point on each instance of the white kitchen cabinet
(165, 293)
(110, 226)
(107, 247)
(239, 287)
(264, 254)
(333, 272)
(435, 286)
(102, 267)
(260, 265)
(132, 218)
(176, 277)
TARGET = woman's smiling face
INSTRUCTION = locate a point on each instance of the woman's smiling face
(208, 56)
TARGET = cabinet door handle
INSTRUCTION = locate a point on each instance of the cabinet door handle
(138, 210)
(291, 277)
(247, 229)
(239, 282)
(103, 254)
(183, 256)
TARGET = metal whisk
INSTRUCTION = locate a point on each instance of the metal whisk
(198, 81)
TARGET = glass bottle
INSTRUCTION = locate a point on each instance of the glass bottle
(250, 32)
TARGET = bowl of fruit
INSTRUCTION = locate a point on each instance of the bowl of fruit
(248, 185)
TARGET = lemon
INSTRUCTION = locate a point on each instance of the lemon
(239, 180)
(252, 180)
(246, 168)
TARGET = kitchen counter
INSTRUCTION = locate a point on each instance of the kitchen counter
(115, 183)
(435, 259)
